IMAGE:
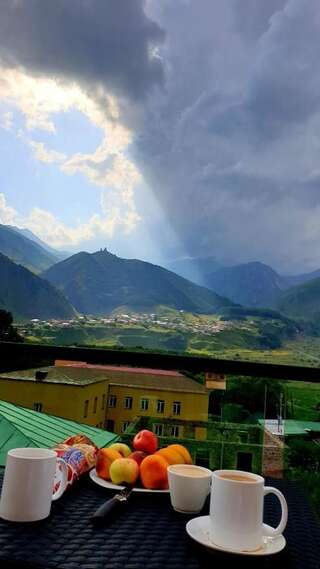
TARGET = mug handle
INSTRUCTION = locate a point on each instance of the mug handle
(273, 532)
(62, 465)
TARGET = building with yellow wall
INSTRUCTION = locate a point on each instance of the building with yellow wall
(73, 395)
(108, 396)
(168, 397)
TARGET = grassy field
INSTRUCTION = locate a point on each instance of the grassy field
(250, 339)
(302, 398)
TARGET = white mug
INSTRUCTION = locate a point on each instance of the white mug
(189, 486)
(236, 510)
(27, 490)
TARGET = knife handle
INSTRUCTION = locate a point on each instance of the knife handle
(107, 511)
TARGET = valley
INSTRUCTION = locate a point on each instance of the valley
(252, 338)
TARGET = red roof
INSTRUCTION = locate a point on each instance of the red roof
(124, 369)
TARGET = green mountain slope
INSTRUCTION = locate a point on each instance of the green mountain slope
(302, 301)
(58, 255)
(28, 296)
(24, 251)
(194, 269)
(98, 283)
(251, 284)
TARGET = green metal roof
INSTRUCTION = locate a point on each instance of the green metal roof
(292, 427)
(21, 427)
(300, 427)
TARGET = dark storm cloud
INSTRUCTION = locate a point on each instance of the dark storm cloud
(253, 17)
(100, 42)
(232, 149)
(230, 143)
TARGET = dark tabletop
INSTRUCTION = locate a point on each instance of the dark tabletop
(149, 535)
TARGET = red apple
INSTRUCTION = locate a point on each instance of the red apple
(146, 441)
(138, 456)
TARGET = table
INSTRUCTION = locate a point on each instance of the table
(149, 535)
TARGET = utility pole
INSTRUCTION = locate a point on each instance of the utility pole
(265, 403)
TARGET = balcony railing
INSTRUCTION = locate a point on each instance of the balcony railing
(11, 352)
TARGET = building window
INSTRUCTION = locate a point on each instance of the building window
(176, 407)
(144, 404)
(37, 407)
(95, 403)
(125, 425)
(86, 406)
(112, 401)
(128, 402)
(160, 406)
(158, 429)
(103, 401)
(174, 431)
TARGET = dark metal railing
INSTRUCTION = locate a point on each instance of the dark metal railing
(12, 353)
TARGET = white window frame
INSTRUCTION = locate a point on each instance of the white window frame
(112, 401)
(158, 429)
(160, 406)
(144, 404)
(176, 407)
(174, 431)
(124, 426)
(37, 407)
(128, 401)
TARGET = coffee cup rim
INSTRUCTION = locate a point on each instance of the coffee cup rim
(172, 469)
(32, 453)
(256, 477)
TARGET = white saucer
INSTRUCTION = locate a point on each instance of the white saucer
(199, 530)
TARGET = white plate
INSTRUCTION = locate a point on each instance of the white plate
(199, 530)
(107, 484)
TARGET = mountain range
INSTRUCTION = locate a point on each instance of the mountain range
(21, 249)
(194, 269)
(28, 296)
(97, 283)
(257, 285)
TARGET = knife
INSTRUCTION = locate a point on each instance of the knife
(111, 508)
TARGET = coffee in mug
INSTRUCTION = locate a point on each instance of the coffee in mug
(236, 510)
(189, 486)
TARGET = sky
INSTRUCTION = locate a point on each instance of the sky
(164, 129)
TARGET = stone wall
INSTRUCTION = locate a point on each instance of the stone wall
(273, 460)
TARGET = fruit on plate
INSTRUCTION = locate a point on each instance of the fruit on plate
(153, 472)
(124, 470)
(171, 455)
(122, 448)
(146, 441)
(183, 451)
(138, 456)
(105, 458)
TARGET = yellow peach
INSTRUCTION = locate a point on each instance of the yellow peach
(105, 458)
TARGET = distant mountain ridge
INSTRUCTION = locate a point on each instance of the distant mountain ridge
(58, 255)
(24, 251)
(302, 301)
(254, 284)
(27, 296)
(250, 284)
(97, 283)
(194, 269)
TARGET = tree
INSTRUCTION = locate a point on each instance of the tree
(8, 332)
(250, 393)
